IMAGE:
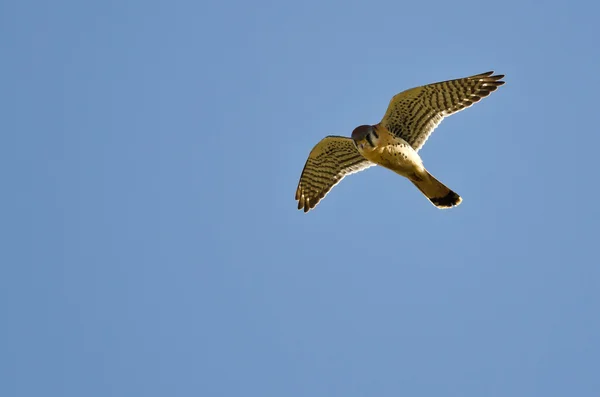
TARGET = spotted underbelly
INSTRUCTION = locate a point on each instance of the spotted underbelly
(398, 157)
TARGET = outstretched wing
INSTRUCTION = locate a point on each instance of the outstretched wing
(328, 163)
(413, 114)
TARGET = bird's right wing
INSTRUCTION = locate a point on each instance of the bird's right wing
(328, 163)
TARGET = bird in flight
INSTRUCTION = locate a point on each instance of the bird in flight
(410, 118)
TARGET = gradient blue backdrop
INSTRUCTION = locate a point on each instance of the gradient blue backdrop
(150, 152)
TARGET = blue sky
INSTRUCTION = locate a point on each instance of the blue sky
(150, 152)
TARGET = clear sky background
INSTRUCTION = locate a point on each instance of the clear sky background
(151, 246)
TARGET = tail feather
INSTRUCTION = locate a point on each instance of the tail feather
(438, 193)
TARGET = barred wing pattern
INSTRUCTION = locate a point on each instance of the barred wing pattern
(413, 114)
(328, 163)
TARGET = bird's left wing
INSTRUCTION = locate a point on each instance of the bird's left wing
(413, 114)
(328, 163)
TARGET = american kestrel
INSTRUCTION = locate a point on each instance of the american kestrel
(410, 118)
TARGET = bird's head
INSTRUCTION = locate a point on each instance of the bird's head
(361, 132)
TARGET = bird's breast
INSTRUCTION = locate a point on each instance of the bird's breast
(394, 154)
